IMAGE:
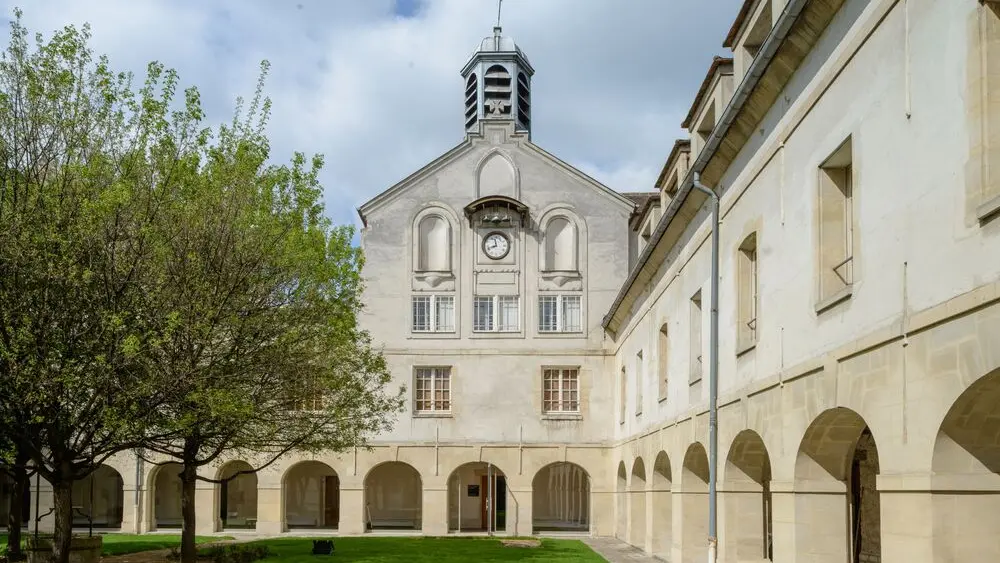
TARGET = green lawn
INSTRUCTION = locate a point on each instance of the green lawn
(436, 550)
(120, 544)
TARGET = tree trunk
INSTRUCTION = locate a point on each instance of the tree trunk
(19, 473)
(62, 496)
(189, 552)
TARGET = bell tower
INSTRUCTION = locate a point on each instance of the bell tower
(498, 84)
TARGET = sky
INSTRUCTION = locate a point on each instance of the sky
(374, 85)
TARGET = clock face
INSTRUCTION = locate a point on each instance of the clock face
(496, 245)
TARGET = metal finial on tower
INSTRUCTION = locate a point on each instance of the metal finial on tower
(499, 6)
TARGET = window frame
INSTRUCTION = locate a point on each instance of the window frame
(434, 376)
(560, 320)
(561, 389)
(432, 314)
(495, 326)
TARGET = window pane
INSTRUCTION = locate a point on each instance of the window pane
(508, 317)
(547, 313)
(482, 314)
(445, 310)
(572, 319)
(421, 313)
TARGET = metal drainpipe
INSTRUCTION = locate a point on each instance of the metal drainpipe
(713, 375)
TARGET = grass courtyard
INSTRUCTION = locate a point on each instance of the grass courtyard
(376, 549)
(121, 544)
(437, 550)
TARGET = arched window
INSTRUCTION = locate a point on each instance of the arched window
(433, 245)
(560, 245)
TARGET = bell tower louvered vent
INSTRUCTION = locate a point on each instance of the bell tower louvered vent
(471, 101)
(498, 84)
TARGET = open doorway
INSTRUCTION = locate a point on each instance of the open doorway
(477, 499)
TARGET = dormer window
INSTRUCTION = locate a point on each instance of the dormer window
(755, 37)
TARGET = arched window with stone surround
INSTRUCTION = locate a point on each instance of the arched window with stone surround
(560, 250)
(433, 244)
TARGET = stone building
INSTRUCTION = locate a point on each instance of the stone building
(553, 334)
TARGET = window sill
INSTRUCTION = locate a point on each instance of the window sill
(835, 299)
(554, 334)
(432, 415)
(433, 335)
(745, 347)
(989, 210)
(562, 416)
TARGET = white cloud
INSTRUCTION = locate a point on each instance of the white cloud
(380, 94)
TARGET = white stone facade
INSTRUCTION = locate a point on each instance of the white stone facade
(854, 145)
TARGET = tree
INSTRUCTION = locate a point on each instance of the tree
(79, 199)
(259, 298)
(14, 463)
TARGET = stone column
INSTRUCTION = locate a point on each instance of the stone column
(602, 512)
(518, 509)
(270, 510)
(661, 524)
(131, 512)
(434, 510)
(206, 508)
(821, 520)
(783, 519)
(352, 507)
(907, 520)
(741, 522)
(44, 503)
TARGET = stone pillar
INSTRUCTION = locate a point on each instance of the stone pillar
(270, 510)
(518, 509)
(693, 527)
(650, 530)
(352, 508)
(741, 522)
(661, 524)
(434, 510)
(131, 512)
(602, 513)
(206, 509)
(41, 497)
(783, 519)
(821, 522)
(908, 514)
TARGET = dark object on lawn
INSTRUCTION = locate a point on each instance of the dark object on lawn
(322, 547)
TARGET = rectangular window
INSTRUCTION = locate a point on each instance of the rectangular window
(433, 313)
(836, 223)
(662, 357)
(747, 303)
(560, 313)
(696, 336)
(560, 390)
(496, 313)
(432, 389)
(639, 381)
(622, 389)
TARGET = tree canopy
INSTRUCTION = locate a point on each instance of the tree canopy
(163, 285)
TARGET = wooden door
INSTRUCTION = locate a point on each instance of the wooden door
(483, 496)
(331, 504)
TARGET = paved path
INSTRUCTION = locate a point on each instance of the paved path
(617, 551)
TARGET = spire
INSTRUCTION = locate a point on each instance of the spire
(498, 82)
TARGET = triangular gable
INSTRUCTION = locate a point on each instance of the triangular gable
(389, 194)
(617, 197)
